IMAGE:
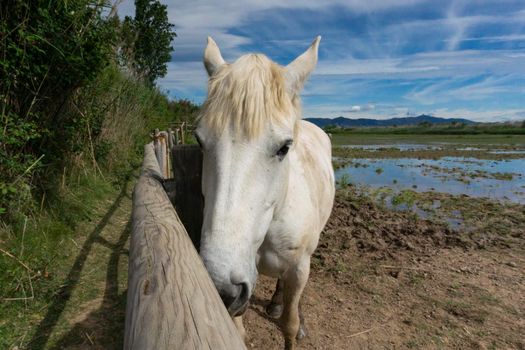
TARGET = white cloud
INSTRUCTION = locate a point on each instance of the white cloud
(454, 88)
(497, 38)
(435, 64)
(195, 20)
(185, 79)
(459, 27)
(372, 111)
(358, 108)
(488, 116)
(388, 111)
(356, 63)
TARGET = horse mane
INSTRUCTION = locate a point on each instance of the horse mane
(247, 95)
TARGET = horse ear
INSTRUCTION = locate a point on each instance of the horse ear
(299, 70)
(212, 57)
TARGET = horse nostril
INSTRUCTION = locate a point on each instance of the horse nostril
(236, 297)
(245, 293)
(231, 296)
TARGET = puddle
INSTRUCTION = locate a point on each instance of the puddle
(502, 151)
(396, 146)
(495, 179)
(470, 149)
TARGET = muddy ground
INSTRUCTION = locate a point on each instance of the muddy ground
(382, 279)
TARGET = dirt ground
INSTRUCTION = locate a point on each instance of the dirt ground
(380, 280)
(388, 280)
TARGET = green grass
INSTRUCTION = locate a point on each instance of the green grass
(355, 138)
(39, 254)
(343, 181)
(406, 197)
(438, 129)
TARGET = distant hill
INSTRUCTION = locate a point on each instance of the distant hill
(364, 122)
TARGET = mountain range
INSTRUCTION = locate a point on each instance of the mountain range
(364, 122)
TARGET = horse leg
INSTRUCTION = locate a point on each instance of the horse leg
(237, 320)
(302, 328)
(294, 282)
(275, 308)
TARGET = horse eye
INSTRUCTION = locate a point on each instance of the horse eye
(281, 153)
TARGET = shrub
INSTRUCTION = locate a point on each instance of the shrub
(48, 49)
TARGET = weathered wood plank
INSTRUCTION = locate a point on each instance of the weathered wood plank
(172, 302)
(166, 162)
(170, 138)
(185, 188)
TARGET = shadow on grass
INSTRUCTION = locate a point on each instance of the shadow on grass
(111, 300)
(105, 326)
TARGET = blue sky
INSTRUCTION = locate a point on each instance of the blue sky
(377, 59)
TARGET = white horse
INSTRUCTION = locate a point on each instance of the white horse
(268, 182)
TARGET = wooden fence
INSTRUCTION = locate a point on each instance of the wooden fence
(172, 302)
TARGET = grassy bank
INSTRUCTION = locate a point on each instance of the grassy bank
(358, 138)
(436, 129)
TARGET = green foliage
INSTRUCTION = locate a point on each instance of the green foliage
(63, 101)
(147, 39)
(73, 123)
(122, 111)
(48, 49)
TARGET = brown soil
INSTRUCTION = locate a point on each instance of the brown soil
(380, 280)
(388, 280)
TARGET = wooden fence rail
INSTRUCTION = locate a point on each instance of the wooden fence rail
(172, 302)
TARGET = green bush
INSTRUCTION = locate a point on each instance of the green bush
(48, 49)
(73, 121)
(66, 101)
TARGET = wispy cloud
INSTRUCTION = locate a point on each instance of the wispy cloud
(450, 57)
(459, 27)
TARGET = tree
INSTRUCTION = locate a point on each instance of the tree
(151, 42)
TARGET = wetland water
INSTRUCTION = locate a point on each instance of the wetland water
(500, 179)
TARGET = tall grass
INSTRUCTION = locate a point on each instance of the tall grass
(38, 239)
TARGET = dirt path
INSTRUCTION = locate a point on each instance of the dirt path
(89, 310)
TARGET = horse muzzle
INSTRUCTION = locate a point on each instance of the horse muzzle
(236, 297)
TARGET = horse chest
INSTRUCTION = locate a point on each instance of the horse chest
(280, 250)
